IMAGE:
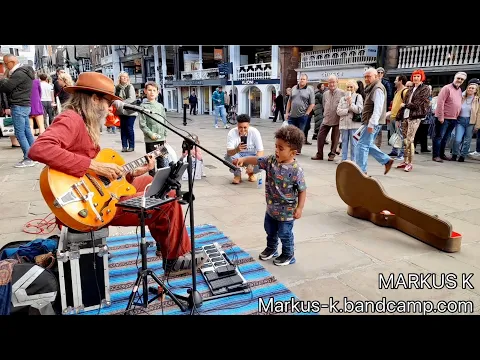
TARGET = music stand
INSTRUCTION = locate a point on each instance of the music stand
(194, 298)
(140, 205)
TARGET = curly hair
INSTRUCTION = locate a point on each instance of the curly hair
(243, 118)
(291, 135)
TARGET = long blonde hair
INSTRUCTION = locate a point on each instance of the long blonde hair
(82, 103)
(66, 78)
(123, 73)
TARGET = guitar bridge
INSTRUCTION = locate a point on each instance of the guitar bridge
(75, 194)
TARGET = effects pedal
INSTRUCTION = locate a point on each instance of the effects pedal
(221, 275)
(226, 270)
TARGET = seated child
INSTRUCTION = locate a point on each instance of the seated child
(196, 153)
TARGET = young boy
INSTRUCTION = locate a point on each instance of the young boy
(285, 192)
(154, 133)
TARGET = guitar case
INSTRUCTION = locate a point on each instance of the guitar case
(34, 288)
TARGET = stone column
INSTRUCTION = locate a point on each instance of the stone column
(274, 62)
(289, 61)
(157, 65)
(115, 64)
(392, 57)
(234, 52)
(164, 72)
(200, 57)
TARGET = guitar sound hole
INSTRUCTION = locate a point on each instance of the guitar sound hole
(105, 181)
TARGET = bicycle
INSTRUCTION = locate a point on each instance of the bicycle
(232, 115)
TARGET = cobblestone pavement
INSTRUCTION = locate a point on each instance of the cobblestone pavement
(337, 256)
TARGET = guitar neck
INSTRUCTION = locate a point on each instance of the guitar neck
(132, 165)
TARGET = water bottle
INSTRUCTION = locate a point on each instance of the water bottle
(259, 180)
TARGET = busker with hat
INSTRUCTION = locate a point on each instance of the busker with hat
(71, 144)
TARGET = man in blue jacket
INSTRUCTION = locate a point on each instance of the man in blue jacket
(218, 99)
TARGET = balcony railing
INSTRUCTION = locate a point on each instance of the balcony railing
(254, 71)
(438, 55)
(204, 74)
(333, 57)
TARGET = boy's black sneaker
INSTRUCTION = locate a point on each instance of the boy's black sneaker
(267, 254)
(283, 260)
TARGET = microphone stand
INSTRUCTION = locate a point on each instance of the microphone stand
(194, 299)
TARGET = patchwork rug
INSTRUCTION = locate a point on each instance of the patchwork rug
(123, 273)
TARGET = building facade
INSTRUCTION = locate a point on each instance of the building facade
(254, 78)
(24, 53)
(439, 62)
(344, 62)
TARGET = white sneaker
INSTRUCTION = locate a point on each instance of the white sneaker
(474, 154)
(227, 126)
(216, 126)
(25, 163)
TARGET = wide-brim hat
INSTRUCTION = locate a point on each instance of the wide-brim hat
(94, 82)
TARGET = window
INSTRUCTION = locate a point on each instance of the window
(16, 52)
(87, 66)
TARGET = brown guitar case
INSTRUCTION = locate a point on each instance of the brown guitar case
(366, 199)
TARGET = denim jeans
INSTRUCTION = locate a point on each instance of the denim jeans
(21, 125)
(220, 111)
(347, 138)
(365, 146)
(463, 136)
(238, 172)
(442, 134)
(300, 122)
(126, 131)
(282, 230)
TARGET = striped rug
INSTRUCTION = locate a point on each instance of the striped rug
(123, 273)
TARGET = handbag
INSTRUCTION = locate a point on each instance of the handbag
(357, 117)
(396, 140)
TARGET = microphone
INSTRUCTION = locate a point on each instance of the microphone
(120, 105)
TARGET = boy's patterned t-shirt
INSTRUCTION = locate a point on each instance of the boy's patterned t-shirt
(283, 182)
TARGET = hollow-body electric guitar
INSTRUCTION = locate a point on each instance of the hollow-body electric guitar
(89, 203)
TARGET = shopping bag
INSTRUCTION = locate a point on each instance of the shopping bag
(357, 134)
(396, 139)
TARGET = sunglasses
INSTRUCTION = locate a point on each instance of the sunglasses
(109, 102)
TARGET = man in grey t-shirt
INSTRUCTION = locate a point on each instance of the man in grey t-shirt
(300, 104)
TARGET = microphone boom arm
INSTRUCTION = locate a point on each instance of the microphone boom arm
(189, 141)
(133, 108)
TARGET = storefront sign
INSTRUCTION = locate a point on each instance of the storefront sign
(326, 74)
(318, 75)
(371, 50)
(193, 82)
(257, 82)
(209, 82)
